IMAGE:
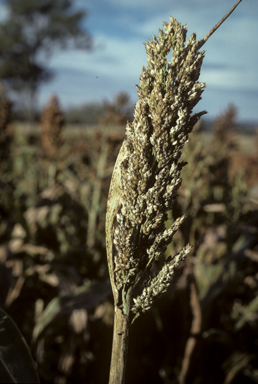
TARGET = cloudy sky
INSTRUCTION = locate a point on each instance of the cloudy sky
(120, 27)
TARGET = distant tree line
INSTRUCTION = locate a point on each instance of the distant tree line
(30, 34)
(84, 114)
(115, 112)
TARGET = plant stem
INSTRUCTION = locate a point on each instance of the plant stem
(119, 348)
(195, 329)
(95, 206)
(203, 41)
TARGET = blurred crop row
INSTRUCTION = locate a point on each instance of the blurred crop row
(53, 273)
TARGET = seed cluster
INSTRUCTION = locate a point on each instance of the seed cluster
(51, 128)
(150, 171)
(159, 284)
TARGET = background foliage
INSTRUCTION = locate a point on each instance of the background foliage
(53, 272)
(30, 34)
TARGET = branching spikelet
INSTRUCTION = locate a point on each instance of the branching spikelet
(146, 176)
(159, 284)
(150, 171)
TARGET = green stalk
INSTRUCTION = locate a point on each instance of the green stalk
(119, 348)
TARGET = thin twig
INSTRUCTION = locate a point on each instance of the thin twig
(195, 329)
(206, 37)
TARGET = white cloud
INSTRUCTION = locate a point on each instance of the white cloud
(3, 12)
(125, 60)
(230, 61)
(117, 58)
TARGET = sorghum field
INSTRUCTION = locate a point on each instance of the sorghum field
(54, 278)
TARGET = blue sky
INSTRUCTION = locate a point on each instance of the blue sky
(120, 27)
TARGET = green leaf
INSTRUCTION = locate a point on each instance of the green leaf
(249, 313)
(86, 296)
(16, 363)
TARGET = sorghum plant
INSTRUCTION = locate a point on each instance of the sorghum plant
(146, 179)
(51, 128)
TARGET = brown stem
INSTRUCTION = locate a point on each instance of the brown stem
(195, 330)
(119, 348)
(203, 41)
(95, 206)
